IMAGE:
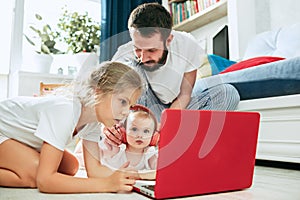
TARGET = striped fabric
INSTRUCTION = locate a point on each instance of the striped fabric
(220, 97)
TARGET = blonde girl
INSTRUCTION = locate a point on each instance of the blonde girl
(34, 133)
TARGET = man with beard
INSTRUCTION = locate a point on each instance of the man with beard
(168, 61)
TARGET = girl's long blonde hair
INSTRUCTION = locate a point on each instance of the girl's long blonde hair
(107, 77)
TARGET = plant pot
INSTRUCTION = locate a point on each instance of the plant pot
(86, 59)
(39, 63)
(85, 62)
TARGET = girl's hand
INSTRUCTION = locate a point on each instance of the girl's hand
(123, 180)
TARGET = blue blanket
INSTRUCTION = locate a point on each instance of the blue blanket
(268, 80)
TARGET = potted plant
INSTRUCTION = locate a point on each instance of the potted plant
(44, 39)
(80, 32)
(82, 35)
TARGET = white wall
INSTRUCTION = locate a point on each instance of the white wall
(272, 14)
(3, 86)
(241, 22)
(205, 34)
(246, 18)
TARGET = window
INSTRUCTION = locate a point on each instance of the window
(51, 10)
(6, 14)
(16, 17)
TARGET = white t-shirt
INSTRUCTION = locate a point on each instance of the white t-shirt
(116, 161)
(33, 120)
(185, 55)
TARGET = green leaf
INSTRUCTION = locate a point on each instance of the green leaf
(45, 49)
(38, 17)
(29, 40)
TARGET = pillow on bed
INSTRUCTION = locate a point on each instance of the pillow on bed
(252, 62)
(271, 79)
(213, 64)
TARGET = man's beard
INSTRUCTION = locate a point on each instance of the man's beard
(155, 67)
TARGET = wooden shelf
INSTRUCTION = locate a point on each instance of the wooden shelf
(176, 1)
(204, 17)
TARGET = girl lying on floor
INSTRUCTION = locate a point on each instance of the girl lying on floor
(35, 131)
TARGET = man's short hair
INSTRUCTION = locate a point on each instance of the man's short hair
(151, 18)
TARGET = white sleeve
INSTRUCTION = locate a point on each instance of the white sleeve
(151, 151)
(188, 48)
(56, 124)
(124, 54)
(195, 57)
(91, 132)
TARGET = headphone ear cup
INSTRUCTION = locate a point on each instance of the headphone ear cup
(123, 133)
(155, 139)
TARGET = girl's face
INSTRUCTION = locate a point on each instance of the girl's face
(139, 131)
(114, 107)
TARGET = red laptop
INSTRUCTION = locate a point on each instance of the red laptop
(203, 152)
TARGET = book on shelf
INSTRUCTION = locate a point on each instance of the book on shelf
(203, 4)
(182, 10)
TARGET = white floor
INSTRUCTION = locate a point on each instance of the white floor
(269, 183)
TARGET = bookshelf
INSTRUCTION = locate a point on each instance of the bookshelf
(206, 16)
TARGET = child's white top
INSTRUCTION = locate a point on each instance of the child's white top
(33, 120)
(116, 161)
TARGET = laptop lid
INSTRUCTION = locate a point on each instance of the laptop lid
(204, 152)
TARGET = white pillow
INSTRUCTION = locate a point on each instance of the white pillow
(283, 42)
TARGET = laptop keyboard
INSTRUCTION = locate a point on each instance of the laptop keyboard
(149, 187)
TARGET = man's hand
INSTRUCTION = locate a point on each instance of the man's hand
(113, 135)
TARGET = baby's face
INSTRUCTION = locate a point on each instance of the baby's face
(139, 130)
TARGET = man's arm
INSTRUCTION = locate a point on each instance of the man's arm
(184, 97)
